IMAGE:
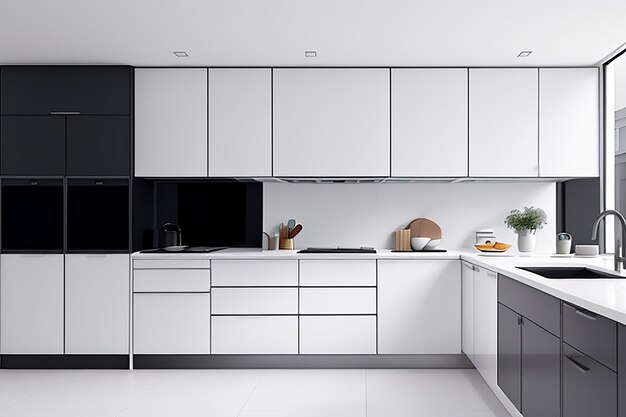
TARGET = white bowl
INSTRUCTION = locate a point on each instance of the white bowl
(418, 243)
(432, 244)
(587, 250)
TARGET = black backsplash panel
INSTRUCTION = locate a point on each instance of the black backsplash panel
(225, 213)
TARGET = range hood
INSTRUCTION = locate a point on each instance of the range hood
(350, 180)
(398, 180)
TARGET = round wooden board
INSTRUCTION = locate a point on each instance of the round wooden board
(424, 228)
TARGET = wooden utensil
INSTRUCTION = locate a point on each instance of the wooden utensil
(294, 232)
(424, 228)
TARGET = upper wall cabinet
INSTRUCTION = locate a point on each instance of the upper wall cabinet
(44, 90)
(503, 122)
(171, 122)
(240, 122)
(331, 123)
(32, 145)
(429, 122)
(569, 141)
(98, 145)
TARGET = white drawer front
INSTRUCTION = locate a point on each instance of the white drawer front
(254, 335)
(338, 335)
(255, 273)
(172, 280)
(338, 273)
(171, 263)
(255, 301)
(338, 301)
(172, 323)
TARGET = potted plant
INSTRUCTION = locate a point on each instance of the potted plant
(525, 224)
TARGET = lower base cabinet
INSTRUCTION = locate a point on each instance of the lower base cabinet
(589, 388)
(485, 355)
(541, 372)
(621, 370)
(31, 304)
(419, 307)
(338, 335)
(254, 335)
(176, 323)
(97, 304)
(510, 355)
(529, 356)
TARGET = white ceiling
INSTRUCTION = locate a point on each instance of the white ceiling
(344, 32)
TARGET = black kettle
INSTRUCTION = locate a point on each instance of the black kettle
(172, 235)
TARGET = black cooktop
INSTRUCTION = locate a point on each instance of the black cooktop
(338, 250)
(185, 249)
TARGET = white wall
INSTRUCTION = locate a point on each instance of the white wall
(369, 214)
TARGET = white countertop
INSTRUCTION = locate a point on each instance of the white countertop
(250, 253)
(602, 296)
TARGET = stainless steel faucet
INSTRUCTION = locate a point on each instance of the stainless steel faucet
(619, 259)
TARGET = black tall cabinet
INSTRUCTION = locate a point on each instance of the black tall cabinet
(65, 193)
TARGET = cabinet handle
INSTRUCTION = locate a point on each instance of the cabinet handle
(492, 274)
(582, 368)
(520, 321)
(477, 269)
(585, 314)
(64, 113)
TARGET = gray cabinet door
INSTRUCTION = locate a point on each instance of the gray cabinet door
(541, 372)
(621, 370)
(510, 355)
(589, 388)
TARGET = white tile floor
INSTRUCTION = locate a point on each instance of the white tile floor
(247, 393)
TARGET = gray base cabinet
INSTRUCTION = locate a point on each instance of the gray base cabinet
(529, 356)
(541, 372)
(510, 354)
(589, 388)
(621, 370)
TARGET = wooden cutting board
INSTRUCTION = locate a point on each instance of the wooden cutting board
(424, 228)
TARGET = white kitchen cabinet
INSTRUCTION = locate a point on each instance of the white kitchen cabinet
(171, 264)
(31, 304)
(338, 335)
(503, 122)
(485, 356)
(97, 298)
(331, 122)
(467, 305)
(338, 273)
(255, 301)
(171, 122)
(172, 280)
(254, 273)
(429, 122)
(419, 307)
(256, 335)
(338, 300)
(569, 133)
(240, 122)
(172, 323)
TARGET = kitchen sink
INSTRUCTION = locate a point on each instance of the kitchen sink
(568, 272)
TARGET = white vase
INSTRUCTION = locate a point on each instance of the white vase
(526, 240)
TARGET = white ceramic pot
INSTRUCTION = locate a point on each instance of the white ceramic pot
(526, 240)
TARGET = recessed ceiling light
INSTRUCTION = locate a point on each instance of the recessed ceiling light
(310, 54)
(181, 54)
(524, 54)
